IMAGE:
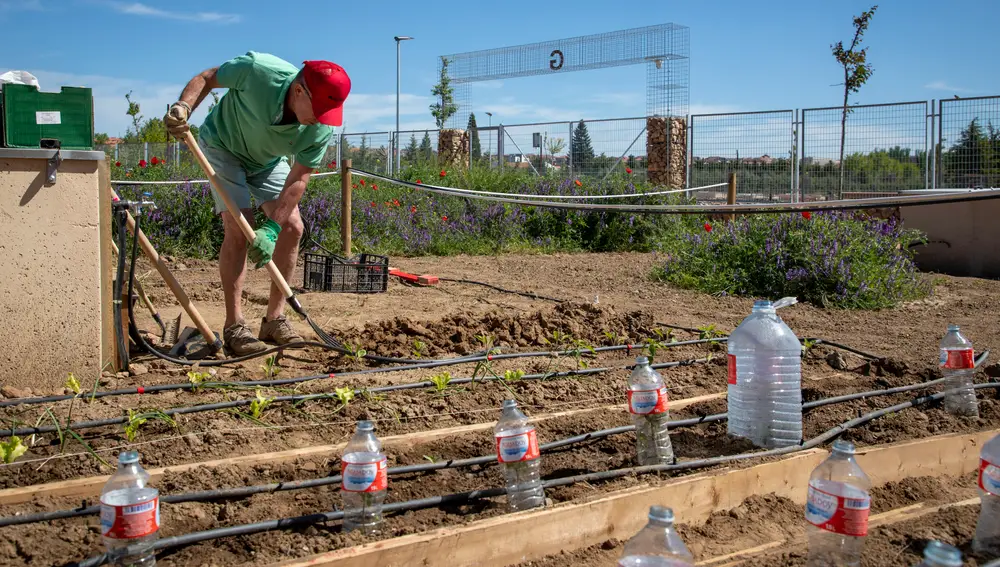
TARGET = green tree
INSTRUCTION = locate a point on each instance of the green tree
(410, 151)
(476, 150)
(554, 146)
(445, 106)
(581, 150)
(101, 138)
(854, 60)
(426, 150)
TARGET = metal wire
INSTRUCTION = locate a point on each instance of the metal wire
(969, 142)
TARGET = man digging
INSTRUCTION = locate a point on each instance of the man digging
(271, 110)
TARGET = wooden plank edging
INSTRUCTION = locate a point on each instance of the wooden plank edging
(531, 535)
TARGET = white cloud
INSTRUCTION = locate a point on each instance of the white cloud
(139, 9)
(943, 86)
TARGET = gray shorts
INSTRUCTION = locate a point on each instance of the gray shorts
(263, 186)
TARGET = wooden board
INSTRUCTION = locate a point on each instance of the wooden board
(91, 486)
(531, 535)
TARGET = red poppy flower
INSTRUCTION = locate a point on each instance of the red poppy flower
(315, 171)
(806, 215)
(128, 174)
(374, 187)
(354, 186)
(708, 227)
(418, 182)
(395, 202)
(373, 204)
(578, 184)
(413, 208)
(444, 218)
(628, 170)
(443, 173)
(142, 163)
(332, 165)
(362, 182)
(118, 164)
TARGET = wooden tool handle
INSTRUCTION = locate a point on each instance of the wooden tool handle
(235, 211)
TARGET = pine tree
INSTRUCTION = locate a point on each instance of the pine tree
(445, 106)
(410, 151)
(363, 151)
(581, 150)
(426, 151)
(475, 149)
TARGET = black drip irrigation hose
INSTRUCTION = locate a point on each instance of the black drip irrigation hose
(305, 397)
(244, 491)
(503, 290)
(471, 359)
(299, 521)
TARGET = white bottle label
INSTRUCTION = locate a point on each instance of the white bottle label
(838, 514)
(130, 521)
(645, 402)
(364, 477)
(989, 477)
(957, 359)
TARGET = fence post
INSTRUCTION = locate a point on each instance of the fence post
(145, 151)
(500, 156)
(345, 206)
(731, 193)
(569, 148)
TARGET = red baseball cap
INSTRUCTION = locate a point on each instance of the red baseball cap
(329, 86)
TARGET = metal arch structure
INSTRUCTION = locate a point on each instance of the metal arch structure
(664, 50)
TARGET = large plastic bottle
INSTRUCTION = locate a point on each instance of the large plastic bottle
(658, 544)
(518, 454)
(365, 478)
(837, 508)
(765, 379)
(958, 366)
(938, 554)
(130, 514)
(987, 538)
(647, 402)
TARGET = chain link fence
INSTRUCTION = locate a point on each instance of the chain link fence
(968, 144)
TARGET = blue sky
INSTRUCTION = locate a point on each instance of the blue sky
(744, 55)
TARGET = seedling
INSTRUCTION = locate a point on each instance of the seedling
(558, 338)
(137, 419)
(259, 404)
(430, 459)
(419, 348)
(487, 340)
(652, 346)
(271, 368)
(807, 345)
(579, 347)
(441, 381)
(345, 395)
(197, 379)
(664, 337)
(512, 375)
(11, 449)
(709, 332)
(73, 384)
(355, 353)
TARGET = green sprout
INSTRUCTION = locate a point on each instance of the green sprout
(441, 381)
(419, 348)
(709, 332)
(259, 404)
(271, 368)
(345, 394)
(197, 379)
(512, 375)
(136, 419)
(11, 449)
(355, 353)
(807, 345)
(73, 384)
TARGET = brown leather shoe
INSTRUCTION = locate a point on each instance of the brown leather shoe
(239, 339)
(279, 331)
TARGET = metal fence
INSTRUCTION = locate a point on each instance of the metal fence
(780, 155)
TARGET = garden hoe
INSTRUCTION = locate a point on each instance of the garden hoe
(272, 268)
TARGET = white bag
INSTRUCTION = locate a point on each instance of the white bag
(18, 78)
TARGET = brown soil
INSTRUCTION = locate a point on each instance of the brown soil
(447, 319)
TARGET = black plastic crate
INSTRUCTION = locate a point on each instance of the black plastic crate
(368, 273)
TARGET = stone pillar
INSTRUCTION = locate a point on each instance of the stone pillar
(666, 151)
(453, 148)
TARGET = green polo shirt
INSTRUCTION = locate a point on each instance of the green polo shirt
(245, 122)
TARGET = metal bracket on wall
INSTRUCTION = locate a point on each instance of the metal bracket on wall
(53, 162)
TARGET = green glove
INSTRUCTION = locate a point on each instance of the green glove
(262, 247)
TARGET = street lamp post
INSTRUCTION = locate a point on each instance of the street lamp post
(395, 151)
(490, 114)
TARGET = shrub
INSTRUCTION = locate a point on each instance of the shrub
(834, 259)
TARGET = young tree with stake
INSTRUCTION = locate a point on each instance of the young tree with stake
(857, 71)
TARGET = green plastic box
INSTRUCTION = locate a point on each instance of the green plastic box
(28, 116)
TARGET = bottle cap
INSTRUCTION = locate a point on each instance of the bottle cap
(763, 305)
(842, 446)
(661, 514)
(509, 404)
(641, 360)
(365, 425)
(943, 554)
(953, 328)
(128, 457)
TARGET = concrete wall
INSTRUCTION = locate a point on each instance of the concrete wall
(51, 241)
(964, 237)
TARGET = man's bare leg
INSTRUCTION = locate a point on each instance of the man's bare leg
(276, 327)
(232, 265)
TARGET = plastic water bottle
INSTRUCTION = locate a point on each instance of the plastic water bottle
(938, 554)
(837, 509)
(130, 514)
(958, 366)
(987, 538)
(647, 402)
(518, 454)
(658, 544)
(364, 480)
(765, 379)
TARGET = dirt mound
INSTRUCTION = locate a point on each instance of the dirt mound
(457, 333)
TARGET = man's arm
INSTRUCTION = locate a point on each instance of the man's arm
(199, 87)
(291, 194)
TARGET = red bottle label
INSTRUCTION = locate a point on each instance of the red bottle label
(518, 447)
(731, 358)
(364, 477)
(989, 477)
(838, 514)
(646, 402)
(957, 359)
(131, 521)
